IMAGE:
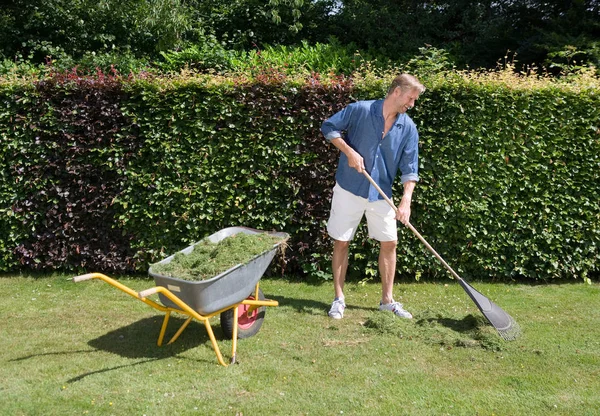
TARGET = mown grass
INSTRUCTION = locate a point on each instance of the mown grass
(88, 348)
(209, 259)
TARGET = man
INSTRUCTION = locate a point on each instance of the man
(377, 137)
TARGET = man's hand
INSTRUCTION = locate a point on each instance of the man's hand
(403, 211)
(355, 160)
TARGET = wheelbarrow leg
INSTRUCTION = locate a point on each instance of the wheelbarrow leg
(163, 328)
(180, 330)
(235, 334)
(186, 310)
(213, 340)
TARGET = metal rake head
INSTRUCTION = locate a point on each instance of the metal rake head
(506, 326)
(512, 332)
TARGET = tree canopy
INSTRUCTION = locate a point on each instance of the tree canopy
(475, 34)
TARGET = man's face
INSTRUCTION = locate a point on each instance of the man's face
(405, 100)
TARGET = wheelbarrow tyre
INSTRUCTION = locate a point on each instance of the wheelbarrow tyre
(247, 325)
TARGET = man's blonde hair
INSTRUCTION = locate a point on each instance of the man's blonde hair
(406, 82)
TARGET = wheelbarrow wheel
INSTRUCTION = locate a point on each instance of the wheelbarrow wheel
(248, 324)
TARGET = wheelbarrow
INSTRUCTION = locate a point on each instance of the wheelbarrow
(235, 295)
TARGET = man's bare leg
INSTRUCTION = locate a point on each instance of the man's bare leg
(387, 269)
(339, 265)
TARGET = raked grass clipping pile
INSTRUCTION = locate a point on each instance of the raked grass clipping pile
(209, 259)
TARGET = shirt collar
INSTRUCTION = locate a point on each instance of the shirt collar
(377, 110)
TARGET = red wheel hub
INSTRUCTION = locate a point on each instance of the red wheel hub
(246, 320)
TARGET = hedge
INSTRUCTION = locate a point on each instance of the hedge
(110, 174)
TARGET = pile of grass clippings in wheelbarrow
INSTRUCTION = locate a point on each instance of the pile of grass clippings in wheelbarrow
(210, 259)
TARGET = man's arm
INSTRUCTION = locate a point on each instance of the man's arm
(332, 130)
(355, 160)
(403, 213)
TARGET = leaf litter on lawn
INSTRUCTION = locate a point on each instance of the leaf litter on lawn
(435, 328)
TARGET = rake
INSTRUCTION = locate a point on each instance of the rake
(506, 326)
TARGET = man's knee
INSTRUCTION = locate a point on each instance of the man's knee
(341, 244)
(389, 245)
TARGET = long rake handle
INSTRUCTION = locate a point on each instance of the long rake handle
(413, 229)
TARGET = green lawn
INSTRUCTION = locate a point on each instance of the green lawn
(88, 348)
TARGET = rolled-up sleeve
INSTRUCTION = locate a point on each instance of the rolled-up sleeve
(409, 160)
(333, 127)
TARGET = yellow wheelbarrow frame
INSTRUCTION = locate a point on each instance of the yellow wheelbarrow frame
(185, 309)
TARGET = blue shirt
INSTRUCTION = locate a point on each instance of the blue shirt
(363, 124)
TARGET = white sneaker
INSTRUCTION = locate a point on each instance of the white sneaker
(397, 308)
(337, 309)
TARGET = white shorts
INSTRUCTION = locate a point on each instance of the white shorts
(347, 211)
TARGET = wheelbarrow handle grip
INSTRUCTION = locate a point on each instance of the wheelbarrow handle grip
(148, 292)
(83, 277)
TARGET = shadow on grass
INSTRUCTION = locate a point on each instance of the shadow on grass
(47, 354)
(105, 370)
(138, 341)
(464, 325)
(311, 307)
(306, 306)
